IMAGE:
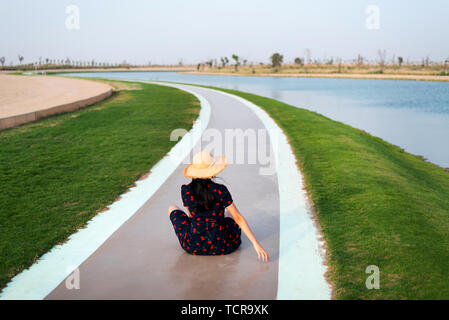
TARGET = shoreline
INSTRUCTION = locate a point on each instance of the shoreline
(191, 70)
(331, 75)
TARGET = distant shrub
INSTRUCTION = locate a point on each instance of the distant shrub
(299, 61)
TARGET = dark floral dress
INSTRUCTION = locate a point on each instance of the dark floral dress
(208, 232)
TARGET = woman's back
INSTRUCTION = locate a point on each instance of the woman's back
(221, 199)
(207, 231)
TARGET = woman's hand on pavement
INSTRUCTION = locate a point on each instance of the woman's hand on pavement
(261, 253)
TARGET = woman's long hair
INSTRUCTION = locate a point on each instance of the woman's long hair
(203, 197)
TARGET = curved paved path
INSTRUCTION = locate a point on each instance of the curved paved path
(143, 260)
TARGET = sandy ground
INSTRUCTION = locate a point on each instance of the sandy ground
(20, 95)
(333, 75)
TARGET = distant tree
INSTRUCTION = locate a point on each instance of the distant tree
(237, 62)
(382, 56)
(339, 64)
(2, 61)
(245, 61)
(20, 59)
(360, 60)
(198, 66)
(276, 60)
(210, 63)
(446, 62)
(299, 61)
(224, 61)
(308, 56)
(400, 61)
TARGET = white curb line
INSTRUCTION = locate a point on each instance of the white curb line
(53, 267)
(301, 253)
(302, 270)
(301, 262)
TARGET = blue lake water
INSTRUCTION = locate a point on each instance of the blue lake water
(411, 114)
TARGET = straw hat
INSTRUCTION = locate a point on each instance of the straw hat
(205, 166)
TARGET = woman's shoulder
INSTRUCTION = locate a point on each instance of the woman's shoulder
(185, 188)
(219, 186)
(223, 193)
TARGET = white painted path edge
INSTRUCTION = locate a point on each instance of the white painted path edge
(301, 252)
(301, 262)
(54, 266)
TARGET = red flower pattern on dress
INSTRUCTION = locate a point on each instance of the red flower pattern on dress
(212, 233)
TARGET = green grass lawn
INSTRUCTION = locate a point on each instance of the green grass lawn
(57, 173)
(376, 204)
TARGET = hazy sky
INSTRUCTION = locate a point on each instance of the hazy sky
(166, 31)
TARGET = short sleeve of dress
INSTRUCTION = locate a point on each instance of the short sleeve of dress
(186, 196)
(227, 198)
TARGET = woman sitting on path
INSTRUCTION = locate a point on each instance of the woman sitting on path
(205, 230)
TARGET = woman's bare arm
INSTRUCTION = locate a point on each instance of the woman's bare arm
(240, 220)
(188, 212)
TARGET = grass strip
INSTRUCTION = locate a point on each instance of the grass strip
(58, 173)
(376, 204)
